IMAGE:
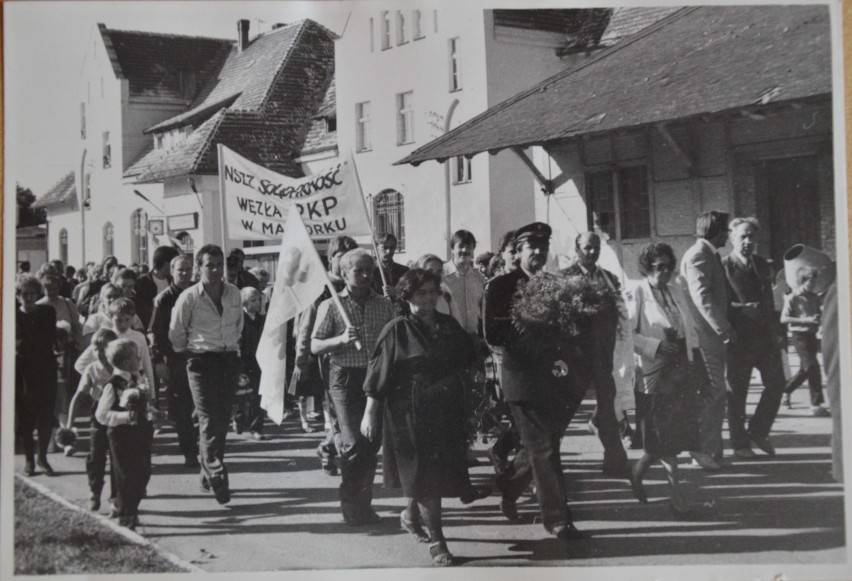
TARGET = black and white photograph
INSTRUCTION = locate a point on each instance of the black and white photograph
(380, 289)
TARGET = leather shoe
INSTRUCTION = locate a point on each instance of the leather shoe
(705, 461)
(638, 489)
(48, 470)
(509, 508)
(568, 533)
(29, 468)
(744, 453)
(763, 443)
(498, 463)
(475, 493)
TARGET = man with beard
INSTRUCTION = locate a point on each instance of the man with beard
(465, 284)
(177, 389)
(752, 316)
(536, 394)
(599, 350)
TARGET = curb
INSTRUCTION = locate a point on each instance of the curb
(131, 536)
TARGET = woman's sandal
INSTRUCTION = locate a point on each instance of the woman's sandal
(441, 555)
(413, 528)
(307, 428)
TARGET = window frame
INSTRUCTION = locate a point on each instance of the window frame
(620, 225)
(454, 64)
(108, 239)
(417, 25)
(107, 151)
(363, 126)
(386, 30)
(405, 118)
(462, 171)
(389, 215)
(82, 120)
(63, 245)
(139, 236)
(400, 28)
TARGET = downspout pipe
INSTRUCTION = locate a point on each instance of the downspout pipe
(447, 121)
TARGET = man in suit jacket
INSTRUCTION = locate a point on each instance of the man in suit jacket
(707, 289)
(752, 316)
(538, 397)
(599, 356)
(152, 283)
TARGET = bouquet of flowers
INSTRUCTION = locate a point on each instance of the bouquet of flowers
(552, 312)
(134, 400)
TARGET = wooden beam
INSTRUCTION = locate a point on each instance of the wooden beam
(546, 184)
(679, 152)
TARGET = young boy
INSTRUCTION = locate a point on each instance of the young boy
(93, 378)
(802, 316)
(121, 313)
(124, 409)
(247, 411)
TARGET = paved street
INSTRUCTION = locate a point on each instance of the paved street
(284, 513)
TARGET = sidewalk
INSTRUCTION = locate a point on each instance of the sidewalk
(284, 512)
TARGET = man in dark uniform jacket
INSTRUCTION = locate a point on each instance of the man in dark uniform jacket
(598, 351)
(537, 394)
(180, 399)
(752, 315)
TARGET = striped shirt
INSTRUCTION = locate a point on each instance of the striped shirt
(370, 320)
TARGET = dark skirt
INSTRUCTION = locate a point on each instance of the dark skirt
(425, 445)
(309, 384)
(670, 425)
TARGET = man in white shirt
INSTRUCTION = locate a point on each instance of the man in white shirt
(464, 282)
(207, 321)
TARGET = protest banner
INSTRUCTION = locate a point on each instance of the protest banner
(257, 200)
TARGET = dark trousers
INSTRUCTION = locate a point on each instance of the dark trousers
(541, 425)
(35, 399)
(807, 347)
(358, 456)
(213, 379)
(247, 410)
(742, 359)
(615, 457)
(96, 460)
(181, 408)
(130, 448)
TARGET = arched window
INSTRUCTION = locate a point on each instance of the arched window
(63, 246)
(389, 216)
(139, 237)
(186, 242)
(109, 235)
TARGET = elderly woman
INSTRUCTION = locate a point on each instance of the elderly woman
(665, 340)
(35, 372)
(418, 369)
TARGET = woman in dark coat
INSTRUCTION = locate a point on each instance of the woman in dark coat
(418, 370)
(35, 372)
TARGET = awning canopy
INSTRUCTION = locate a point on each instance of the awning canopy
(698, 60)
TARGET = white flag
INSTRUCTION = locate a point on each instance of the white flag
(299, 281)
(258, 200)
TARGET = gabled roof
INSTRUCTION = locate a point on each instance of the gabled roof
(628, 20)
(699, 60)
(320, 137)
(65, 189)
(163, 65)
(250, 106)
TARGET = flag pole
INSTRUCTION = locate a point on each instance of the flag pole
(370, 220)
(220, 151)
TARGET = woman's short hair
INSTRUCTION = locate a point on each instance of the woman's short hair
(351, 257)
(248, 292)
(341, 244)
(507, 240)
(413, 280)
(806, 273)
(102, 337)
(426, 259)
(26, 282)
(118, 351)
(652, 251)
(122, 306)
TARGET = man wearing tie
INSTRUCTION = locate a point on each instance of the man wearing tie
(756, 346)
(707, 289)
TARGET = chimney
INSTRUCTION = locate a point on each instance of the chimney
(242, 35)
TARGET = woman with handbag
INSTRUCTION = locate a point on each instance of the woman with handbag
(418, 371)
(670, 362)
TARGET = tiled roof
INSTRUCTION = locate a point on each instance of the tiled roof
(144, 162)
(270, 119)
(319, 137)
(164, 65)
(698, 60)
(64, 190)
(627, 21)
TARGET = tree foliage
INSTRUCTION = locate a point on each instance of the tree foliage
(27, 215)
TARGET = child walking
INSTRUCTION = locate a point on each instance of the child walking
(94, 377)
(123, 409)
(248, 415)
(801, 314)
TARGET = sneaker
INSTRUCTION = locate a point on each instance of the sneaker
(69, 450)
(820, 412)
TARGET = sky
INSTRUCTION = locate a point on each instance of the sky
(44, 47)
